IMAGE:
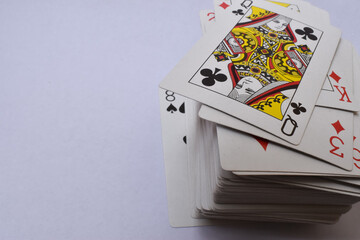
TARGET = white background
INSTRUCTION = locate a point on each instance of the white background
(80, 139)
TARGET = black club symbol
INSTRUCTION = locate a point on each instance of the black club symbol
(307, 32)
(298, 108)
(210, 77)
(238, 12)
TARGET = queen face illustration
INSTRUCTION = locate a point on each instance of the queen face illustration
(246, 87)
(279, 23)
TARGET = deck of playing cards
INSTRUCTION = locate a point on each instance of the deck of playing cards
(259, 119)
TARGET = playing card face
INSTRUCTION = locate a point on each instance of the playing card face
(331, 129)
(265, 68)
(338, 90)
(247, 155)
(316, 131)
(172, 109)
(340, 97)
(344, 49)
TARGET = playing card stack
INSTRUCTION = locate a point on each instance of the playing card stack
(260, 119)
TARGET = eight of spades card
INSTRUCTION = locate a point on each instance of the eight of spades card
(172, 110)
